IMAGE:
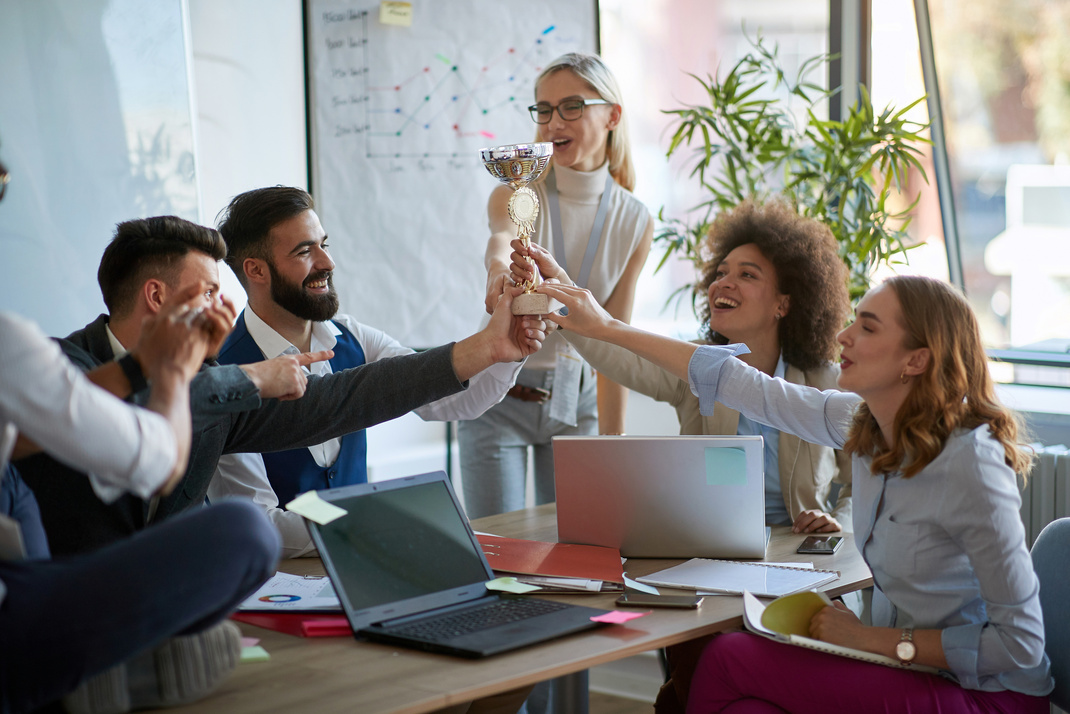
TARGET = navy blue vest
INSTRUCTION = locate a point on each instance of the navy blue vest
(294, 471)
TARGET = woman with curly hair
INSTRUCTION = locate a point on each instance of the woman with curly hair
(934, 461)
(773, 282)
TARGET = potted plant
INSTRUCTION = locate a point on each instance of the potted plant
(748, 143)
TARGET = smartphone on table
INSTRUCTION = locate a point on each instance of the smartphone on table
(650, 600)
(820, 545)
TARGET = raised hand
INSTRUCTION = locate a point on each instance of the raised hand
(516, 336)
(284, 377)
(179, 337)
(582, 314)
(520, 268)
(497, 283)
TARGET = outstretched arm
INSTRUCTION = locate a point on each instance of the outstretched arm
(507, 338)
(583, 315)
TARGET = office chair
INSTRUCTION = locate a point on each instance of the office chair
(1051, 560)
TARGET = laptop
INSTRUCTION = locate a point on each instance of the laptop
(662, 496)
(408, 571)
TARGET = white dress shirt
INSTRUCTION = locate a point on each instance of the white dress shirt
(244, 475)
(44, 396)
(946, 546)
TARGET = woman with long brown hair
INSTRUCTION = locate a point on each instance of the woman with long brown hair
(934, 463)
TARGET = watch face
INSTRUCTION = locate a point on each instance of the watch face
(905, 651)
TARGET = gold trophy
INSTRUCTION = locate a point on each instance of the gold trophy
(518, 165)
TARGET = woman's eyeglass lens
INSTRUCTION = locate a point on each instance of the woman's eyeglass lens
(569, 110)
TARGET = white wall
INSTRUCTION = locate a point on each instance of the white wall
(249, 90)
(249, 94)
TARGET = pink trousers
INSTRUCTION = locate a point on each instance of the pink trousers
(742, 673)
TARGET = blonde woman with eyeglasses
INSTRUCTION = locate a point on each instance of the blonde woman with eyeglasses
(578, 109)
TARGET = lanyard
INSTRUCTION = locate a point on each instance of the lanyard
(593, 241)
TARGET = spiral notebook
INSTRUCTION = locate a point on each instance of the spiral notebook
(787, 620)
(733, 577)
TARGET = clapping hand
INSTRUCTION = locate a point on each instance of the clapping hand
(184, 333)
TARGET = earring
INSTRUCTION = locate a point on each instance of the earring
(777, 316)
(903, 377)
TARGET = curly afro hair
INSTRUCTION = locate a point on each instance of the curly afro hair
(808, 267)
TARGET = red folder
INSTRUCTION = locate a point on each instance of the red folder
(301, 624)
(570, 560)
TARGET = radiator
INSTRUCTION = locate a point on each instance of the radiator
(1046, 495)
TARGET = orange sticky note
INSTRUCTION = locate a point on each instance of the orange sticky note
(618, 617)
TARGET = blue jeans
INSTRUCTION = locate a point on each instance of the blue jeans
(494, 447)
(17, 502)
(65, 620)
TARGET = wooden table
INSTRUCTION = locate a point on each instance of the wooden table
(339, 674)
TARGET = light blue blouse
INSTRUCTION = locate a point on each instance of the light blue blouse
(776, 511)
(946, 547)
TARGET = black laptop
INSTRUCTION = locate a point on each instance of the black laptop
(409, 571)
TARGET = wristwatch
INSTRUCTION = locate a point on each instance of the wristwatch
(906, 650)
(134, 375)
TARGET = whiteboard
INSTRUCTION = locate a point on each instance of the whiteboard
(95, 128)
(398, 116)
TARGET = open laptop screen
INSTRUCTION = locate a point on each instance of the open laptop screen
(400, 543)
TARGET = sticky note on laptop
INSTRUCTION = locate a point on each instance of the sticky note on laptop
(726, 466)
(311, 506)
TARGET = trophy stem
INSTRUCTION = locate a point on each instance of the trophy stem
(517, 166)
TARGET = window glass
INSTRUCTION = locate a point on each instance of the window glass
(1004, 77)
(652, 46)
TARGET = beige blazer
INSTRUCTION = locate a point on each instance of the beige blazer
(807, 471)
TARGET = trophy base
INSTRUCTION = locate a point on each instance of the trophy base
(531, 304)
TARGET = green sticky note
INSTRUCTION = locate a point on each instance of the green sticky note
(726, 466)
(255, 653)
(510, 585)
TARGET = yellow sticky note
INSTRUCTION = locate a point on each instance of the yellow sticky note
(254, 654)
(311, 506)
(395, 13)
(510, 585)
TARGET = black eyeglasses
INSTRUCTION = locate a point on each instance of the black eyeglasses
(569, 110)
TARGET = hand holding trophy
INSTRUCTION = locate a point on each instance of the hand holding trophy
(518, 165)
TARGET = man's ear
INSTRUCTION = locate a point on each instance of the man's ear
(256, 271)
(154, 293)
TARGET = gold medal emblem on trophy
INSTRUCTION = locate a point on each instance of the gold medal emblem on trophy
(518, 165)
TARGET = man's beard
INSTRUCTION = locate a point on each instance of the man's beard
(294, 299)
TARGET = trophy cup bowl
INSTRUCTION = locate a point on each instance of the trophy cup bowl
(517, 165)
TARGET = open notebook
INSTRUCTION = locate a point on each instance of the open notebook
(787, 619)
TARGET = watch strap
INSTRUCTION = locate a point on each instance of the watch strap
(134, 375)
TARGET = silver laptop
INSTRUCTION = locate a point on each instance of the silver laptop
(662, 496)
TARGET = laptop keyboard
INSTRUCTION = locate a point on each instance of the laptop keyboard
(483, 617)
